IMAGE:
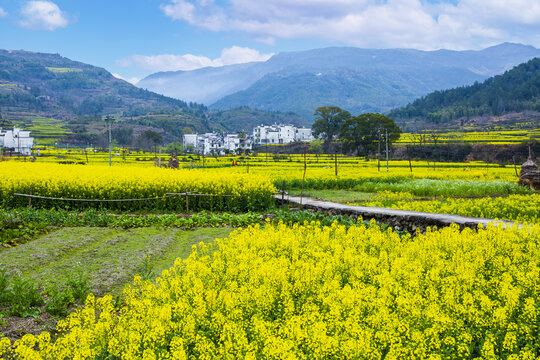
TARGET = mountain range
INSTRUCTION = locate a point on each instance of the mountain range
(55, 96)
(358, 80)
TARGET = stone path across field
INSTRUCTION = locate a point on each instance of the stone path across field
(398, 219)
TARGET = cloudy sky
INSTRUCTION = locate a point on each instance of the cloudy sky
(134, 38)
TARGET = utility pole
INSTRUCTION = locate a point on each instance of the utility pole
(386, 150)
(109, 119)
(379, 152)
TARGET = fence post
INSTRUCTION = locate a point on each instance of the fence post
(187, 202)
(304, 177)
(30, 198)
(283, 194)
(335, 162)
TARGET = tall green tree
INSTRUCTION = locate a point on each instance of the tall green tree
(362, 133)
(328, 121)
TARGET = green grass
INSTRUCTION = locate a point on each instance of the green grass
(110, 257)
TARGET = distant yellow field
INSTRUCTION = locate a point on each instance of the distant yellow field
(484, 137)
(62, 70)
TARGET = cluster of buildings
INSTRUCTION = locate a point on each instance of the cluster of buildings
(16, 142)
(214, 143)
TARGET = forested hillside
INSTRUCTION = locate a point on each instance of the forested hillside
(515, 91)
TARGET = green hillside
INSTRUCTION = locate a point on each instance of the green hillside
(515, 91)
(61, 100)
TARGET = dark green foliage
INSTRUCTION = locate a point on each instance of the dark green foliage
(328, 122)
(514, 91)
(4, 283)
(148, 139)
(78, 283)
(123, 134)
(58, 300)
(24, 297)
(363, 132)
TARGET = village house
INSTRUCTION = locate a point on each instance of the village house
(280, 134)
(16, 141)
(214, 143)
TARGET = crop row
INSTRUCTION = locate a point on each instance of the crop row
(315, 292)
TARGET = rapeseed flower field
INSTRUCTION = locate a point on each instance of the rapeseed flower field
(312, 292)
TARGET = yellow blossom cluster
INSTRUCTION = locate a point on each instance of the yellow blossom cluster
(109, 183)
(522, 208)
(312, 292)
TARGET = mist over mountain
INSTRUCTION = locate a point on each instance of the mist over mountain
(355, 79)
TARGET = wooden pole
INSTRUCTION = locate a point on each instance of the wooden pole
(110, 144)
(379, 154)
(30, 199)
(409, 157)
(187, 201)
(515, 167)
(335, 165)
(386, 150)
(283, 193)
(304, 176)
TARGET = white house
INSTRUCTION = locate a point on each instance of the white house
(17, 141)
(304, 134)
(190, 140)
(233, 143)
(280, 134)
(216, 143)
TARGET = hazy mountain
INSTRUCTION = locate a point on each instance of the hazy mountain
(356, 79)
(515, 91)
(53, 95)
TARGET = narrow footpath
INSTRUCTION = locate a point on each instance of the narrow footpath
(398, 219)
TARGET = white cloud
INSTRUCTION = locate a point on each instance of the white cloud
(169, 62)
(132, 80)
(453, 24)
(43, 15)
(3, 13)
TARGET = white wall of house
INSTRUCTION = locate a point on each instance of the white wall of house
(304, 134)
(280, 134)
(16, 140)
(190, 139)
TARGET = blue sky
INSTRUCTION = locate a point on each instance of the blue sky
(136, 38)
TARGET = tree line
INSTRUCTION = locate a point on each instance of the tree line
(359, 134)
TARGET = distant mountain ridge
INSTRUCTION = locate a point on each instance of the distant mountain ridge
(358, 80)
